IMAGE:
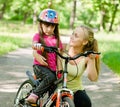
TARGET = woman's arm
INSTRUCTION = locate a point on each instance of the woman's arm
(91, 68)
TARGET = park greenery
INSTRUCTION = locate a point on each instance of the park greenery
(18, 21)
(99, 14)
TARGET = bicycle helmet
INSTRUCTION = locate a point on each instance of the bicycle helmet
(49, 15)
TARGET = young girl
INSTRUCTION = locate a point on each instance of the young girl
(82, 40)
(45, 64)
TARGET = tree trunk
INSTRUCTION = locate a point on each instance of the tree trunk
(90, 19)
(34, 17)
(25, 17)
(73, 14)
(113, 17)
(50, 4)
(102, 22)
(2, 10)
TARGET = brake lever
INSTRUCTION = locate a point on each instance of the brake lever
(91, 52)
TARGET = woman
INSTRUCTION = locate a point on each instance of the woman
(82, 40)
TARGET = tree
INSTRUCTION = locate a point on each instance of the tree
(107, 10)
(4, 6)
(116, 4)
(73, 14)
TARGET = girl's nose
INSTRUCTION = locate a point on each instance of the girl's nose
(49, 28)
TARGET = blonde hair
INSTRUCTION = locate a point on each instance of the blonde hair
(92, 44)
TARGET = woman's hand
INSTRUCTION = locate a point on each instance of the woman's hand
(92, 56)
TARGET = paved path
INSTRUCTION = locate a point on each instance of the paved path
(104, 93)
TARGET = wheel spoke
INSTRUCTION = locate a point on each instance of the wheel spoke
(22, 93)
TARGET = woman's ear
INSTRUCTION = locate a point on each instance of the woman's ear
(85, 42)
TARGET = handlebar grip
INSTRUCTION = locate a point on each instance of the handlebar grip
(97, 56)
(38, 46)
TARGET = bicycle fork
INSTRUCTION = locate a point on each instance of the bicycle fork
(57, 97)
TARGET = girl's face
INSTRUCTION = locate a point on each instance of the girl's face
(77, 38)
(48, 28)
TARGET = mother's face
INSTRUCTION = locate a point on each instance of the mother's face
(77, 38)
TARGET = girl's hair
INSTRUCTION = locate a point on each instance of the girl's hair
(92, 44)
(41, 33)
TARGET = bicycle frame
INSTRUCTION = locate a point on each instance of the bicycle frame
(61, 92)
(64, 91)
(57, 97)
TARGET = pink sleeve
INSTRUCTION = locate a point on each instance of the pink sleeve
(36, 38)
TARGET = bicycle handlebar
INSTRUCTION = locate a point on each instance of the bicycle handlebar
(55, 49)
(52, 49)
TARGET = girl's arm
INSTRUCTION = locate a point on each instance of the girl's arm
(59, 62)
(38, 57)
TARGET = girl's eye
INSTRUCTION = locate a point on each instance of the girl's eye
(46, 25)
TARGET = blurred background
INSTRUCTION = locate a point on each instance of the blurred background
(99, 14)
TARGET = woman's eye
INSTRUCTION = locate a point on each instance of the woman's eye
(76, 35)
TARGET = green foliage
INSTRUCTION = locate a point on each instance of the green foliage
(109, 45)
(14, 27)
(9, 43)
(88, 12)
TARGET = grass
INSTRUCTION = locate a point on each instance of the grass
(109, 45)
(16, 35)
(16, 27)
(9, 43)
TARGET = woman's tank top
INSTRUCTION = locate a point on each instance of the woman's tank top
(75, 74)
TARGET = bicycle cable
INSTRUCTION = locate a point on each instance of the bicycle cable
(66, 52)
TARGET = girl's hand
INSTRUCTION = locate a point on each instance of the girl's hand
(36, 46)
(40, 58)
(43, 61)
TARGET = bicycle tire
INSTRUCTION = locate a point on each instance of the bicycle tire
(23, 91)
(67, 102)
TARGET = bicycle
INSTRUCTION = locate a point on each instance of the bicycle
(62, 97)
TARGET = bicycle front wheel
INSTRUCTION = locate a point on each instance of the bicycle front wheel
(22, 93)
(67, 102)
